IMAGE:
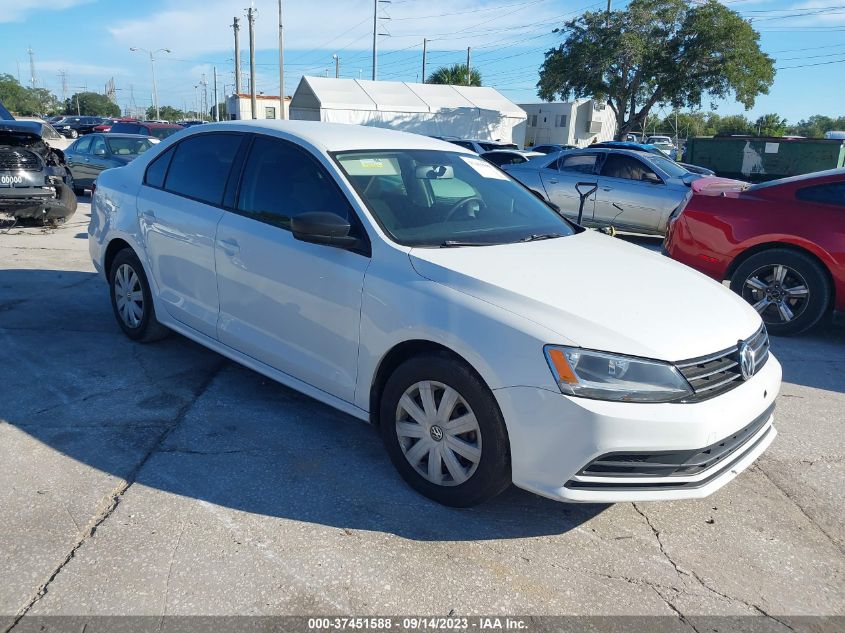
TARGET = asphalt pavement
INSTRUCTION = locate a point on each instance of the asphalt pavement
(163, 479)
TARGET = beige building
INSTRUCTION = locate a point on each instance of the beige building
(239, 107)
(568, 122)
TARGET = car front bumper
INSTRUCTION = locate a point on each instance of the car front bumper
(554, 438)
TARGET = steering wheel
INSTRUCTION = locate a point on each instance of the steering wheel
(454, 210)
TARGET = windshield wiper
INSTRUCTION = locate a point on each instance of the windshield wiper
(541, 236)
(459, 243)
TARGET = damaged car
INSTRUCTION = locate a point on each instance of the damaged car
(35, 182)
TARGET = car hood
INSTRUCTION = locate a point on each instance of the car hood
(19, 138)
(598, 292)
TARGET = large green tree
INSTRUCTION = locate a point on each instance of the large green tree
(657, 52)
(770, 125)
(91, 104)
(26, 101)
(455, 75)
(167, 113)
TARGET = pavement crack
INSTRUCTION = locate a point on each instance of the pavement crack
(674, 609)
(692, 574)
(841, 547)
(656, 533)
(170, 570)
(111, 501)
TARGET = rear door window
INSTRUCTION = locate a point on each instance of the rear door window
(581, 163)
(200, 166)
(157, 170)
(83, 145)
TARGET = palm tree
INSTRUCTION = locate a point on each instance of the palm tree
(454, 75)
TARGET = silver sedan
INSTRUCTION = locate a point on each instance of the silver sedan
(630, 191)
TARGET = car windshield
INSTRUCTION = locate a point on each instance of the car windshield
(669, 166)
(128, 146)
(488, 147)
(163, 132)
(436, 198)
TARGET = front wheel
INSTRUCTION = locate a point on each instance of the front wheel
(74, 134)
(444, 432)
(132, 300)
(789, 289)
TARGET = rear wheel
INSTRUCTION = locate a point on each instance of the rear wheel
(789, 289)
(74, 134)
(132, 300)
(444, 432)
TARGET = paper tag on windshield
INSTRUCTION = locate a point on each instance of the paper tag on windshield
(483, 168)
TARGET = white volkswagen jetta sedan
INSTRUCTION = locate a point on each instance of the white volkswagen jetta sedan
(408, 282)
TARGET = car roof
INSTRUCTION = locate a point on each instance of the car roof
(118, 135)
(151, 125)
(817, 175)
(331, 137)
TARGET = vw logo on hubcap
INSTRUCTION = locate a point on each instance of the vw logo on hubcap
(747, 362)
(436, 433)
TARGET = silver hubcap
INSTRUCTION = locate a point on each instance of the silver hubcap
(779, 293)
(128, 296)
(438, 433)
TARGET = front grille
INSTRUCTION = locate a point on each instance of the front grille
(713, 375)
(19, 159)
(674, 463)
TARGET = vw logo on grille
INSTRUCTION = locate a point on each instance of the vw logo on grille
(747, 362)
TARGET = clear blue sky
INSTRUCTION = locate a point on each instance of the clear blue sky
(90, 40)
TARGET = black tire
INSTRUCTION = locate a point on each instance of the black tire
(492, 474)
(147, 329)
(801, 270)
(74, 134)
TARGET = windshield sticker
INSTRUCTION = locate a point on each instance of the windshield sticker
(370, 166)
(483, 168)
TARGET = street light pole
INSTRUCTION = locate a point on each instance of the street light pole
(153, 68)
(336, 66)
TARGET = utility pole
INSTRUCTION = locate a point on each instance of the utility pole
(250, 17)
(152, 55)
(216, 99)
(376, 18)
(336, 59)
(425, 42)
(281, 64)
(607, 15)
(236, 24)
(63, 77)
(19, 69)
(469, 66)
(32, 80)
(204, 84)
(375, 38)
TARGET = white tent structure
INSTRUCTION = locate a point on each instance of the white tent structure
(431, 109)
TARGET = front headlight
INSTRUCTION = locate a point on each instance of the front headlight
(604, 376)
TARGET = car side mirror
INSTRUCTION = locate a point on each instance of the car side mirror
(319, 227)
(99, 152)
(652, 178)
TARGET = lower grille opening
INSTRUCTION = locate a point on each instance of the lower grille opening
(668, 464)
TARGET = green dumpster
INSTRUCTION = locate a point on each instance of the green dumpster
(757, 159)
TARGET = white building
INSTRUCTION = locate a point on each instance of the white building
(431, 109)
(239, 106)
(568, 122)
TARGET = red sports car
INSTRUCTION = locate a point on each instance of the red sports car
(781, 244)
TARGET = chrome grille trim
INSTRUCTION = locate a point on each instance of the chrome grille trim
(715, 374)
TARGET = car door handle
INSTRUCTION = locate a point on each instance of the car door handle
(552, 181)
(87, 160)
(230, 247)
(607, 188)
